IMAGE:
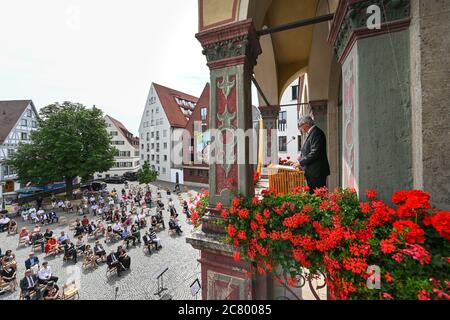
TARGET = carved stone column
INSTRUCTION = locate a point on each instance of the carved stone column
(269, 116)
(231, 52)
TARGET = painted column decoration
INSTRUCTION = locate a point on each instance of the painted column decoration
(231, 51)
(348, 108)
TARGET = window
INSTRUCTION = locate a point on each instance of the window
(148, 158)
(120, 142)
(148, 136)
(157, 135)
(142, 156)
(24, 122)
(147, 113)
(29, 113)
(157, 147)
(191, 172)
(153, 122)
(299, 143)
(203, 113)
(165, 145)
(164, 170)
(294, 92)
(11, 152)
(153, 157)
(153, 146)
(153, 134)
(282, 121)
(23, 136)
(137, 163)
(142, 146)
(200, 173)
(157, 110)
(114, 133)
(136, 153)
(165, 157)
(164, 133)
(282, 144)
(34, 124)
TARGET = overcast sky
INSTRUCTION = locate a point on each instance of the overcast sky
(102, 52)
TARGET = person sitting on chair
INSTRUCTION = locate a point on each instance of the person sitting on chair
(99, 250)
(160, 219)
(53, 217)
(79, 230)
(124, 259)
(9, 276)
(85, 224)
(24, 235)
(113, 262)
(52, 245)
(127, 237)
(99, 229)
(45, 274)
(80, 245)
(136, 233)
(38, 239)
(159, 205)
(51, 291)
(62, 240)
(117, 228)
(32, 262)
(90, 256)
(173, 225)
(70, 251)
(29, 285)
(9, 259)
(92, 227)
(4, 223)
(48, 234)
(154, 238)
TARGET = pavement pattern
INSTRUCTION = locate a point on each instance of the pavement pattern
(139, 282)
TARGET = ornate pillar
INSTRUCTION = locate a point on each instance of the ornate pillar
(231, 51)
(269, 116)
(375, 90)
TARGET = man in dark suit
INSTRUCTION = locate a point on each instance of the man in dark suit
(313, 158)
(113, 261)
(29, 286)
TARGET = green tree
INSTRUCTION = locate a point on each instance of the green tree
(145, 174)
(71, 141)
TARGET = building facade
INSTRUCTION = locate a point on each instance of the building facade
(18, 119)
(163, 121)
(127, 158)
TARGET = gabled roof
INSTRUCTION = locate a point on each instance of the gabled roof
(178, 106)
(10, 113)
(134, 141)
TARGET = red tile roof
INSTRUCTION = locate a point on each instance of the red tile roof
(10, 112)
(171, 108)
(134, 141)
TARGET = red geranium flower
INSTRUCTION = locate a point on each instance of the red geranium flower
(241, 235)
(237, 256)
(235, 202)
(371, 194)
(219, 206)
(231, 230)
(410, 231)
(441, 222)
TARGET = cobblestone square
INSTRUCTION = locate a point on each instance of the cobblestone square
(136, 284)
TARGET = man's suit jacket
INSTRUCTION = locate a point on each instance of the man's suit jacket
(31, 262)
(314, 154)
(24, 282)
(109, 259)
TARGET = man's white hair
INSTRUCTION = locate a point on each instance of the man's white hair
(306, 119)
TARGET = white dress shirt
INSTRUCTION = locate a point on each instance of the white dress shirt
(45, 273)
